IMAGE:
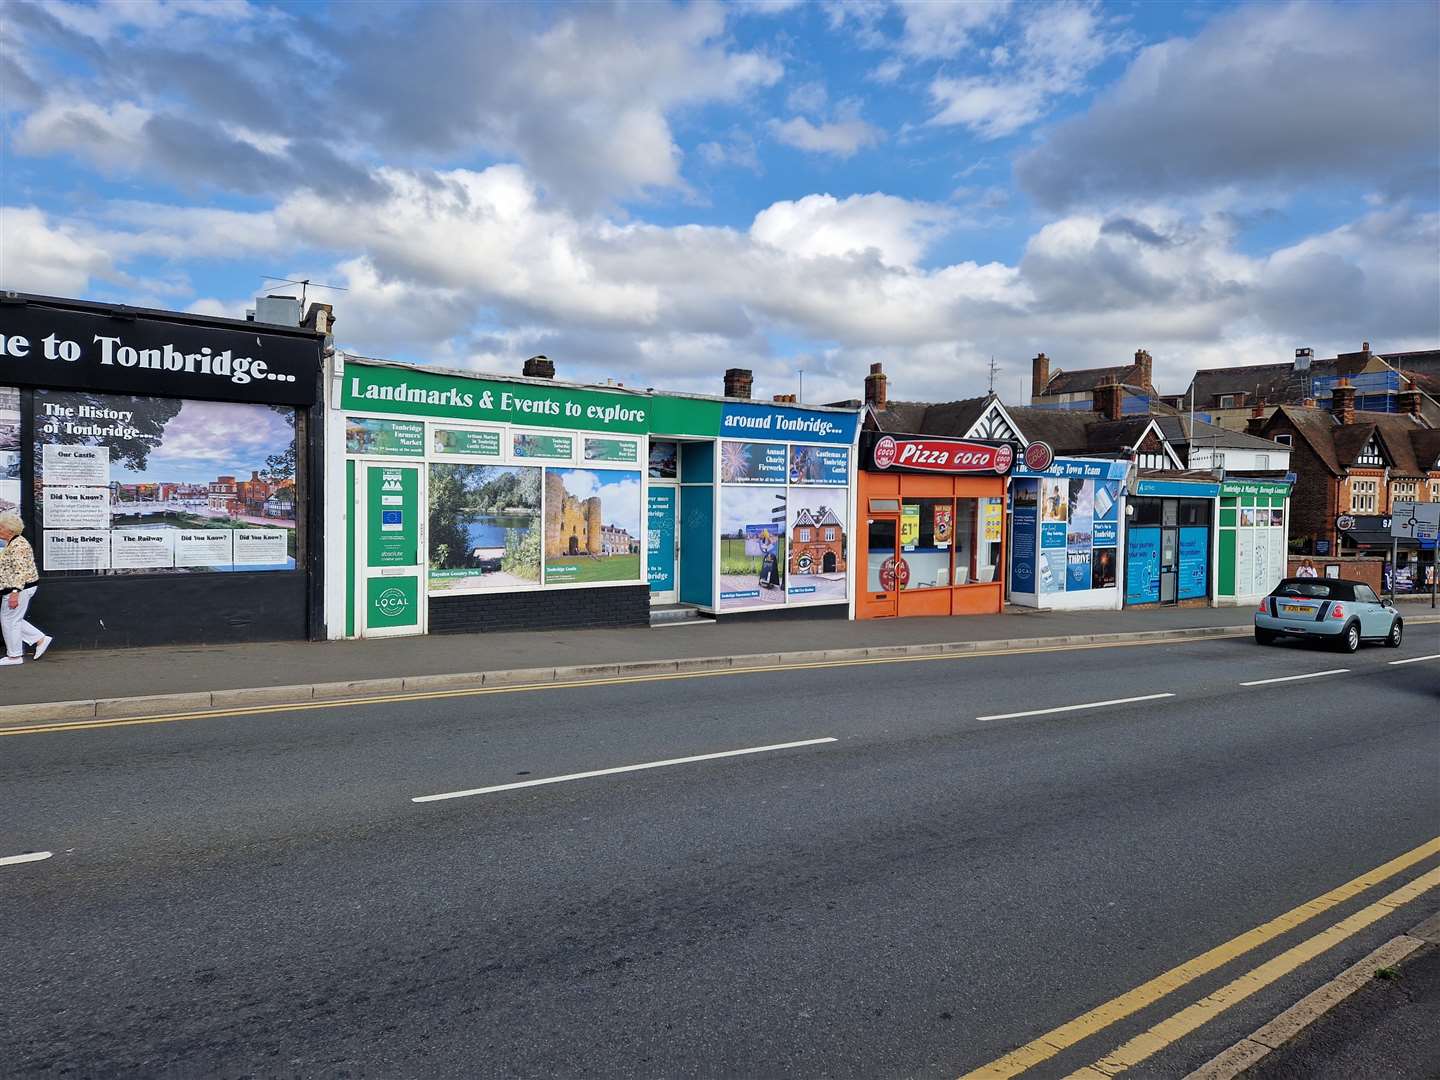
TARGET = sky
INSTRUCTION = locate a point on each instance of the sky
(653, 193)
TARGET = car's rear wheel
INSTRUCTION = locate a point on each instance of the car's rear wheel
(1349, 640)
(1264, 637)
(1396, 635)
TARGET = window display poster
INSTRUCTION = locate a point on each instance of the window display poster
(660, 539)
(1107, 513)
(1052, 571)
(369, 435)
(820, 465)
(752, 545)
(615, 450)
(63, 550)
(1194, 562)
(1142, 565)
(664, 457)
(592, 526)
(466, 442)
(817, 547)
(549, 447)
(485, 529)
(1102, 568)
(9, 448)
(909, 526)
(76, 507)
(994, 516)
(204, 547)
(150, 549)
(163, 464)
(1023, 536)
(752, 463)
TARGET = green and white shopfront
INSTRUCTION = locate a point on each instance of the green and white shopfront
(473, 504)
(1251, 539)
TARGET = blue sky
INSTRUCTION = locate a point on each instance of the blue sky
(654, 193)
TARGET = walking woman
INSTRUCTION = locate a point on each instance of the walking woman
(18, 581)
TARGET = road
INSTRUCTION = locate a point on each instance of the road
(260, 895)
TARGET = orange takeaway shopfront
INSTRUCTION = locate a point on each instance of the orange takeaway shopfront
(934, 511)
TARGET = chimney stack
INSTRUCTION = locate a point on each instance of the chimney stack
(539, 367)
(784, 399)
(1408, 400)
(1303, 359)
(1365, 349)
(1145, 364)
(320, 317)
(1256, 421)
(1342, 403)
(876, 394)
(1039, 376)
(738, 381)
(1106, 400)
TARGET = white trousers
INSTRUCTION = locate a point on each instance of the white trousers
(18, 632)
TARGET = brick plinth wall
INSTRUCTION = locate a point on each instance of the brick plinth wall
(550, 609)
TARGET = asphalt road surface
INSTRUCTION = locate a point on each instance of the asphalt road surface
(969, 864)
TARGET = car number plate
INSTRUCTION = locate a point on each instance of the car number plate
(1297, 609)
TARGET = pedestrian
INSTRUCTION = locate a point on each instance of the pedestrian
(1306, 569)
(18, 582)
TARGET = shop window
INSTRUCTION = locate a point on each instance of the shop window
(884, 506)
(1145, 511)
(927, 533)
(128, 484)
(989, 530)
(880, 568)
(484, 527)
(1194, 512)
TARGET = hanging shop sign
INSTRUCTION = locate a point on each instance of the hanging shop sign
(914, 454)
(104, 351)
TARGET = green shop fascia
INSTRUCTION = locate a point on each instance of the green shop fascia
(1251, 539)
(476, 504)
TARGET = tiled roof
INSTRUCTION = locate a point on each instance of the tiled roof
(924, 418)
(1316, 427)
(1425, 442)
(1075, 382)
(1339, 445)
(1178, 430)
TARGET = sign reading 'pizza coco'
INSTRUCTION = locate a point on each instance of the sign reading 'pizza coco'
(906, 453)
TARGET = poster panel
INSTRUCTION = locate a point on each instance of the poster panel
(1142, 565)
(817, 547)
(1024, 535)
(1102, 568)
(1079, 535)
(820, 465)
(752, 546)
(63, 550)
(466, 442)
(392, 531)
(1107, 513)
(9, 448)
(144, 549)
(660, 539)
(484, 526)
(592, 525)
(664, 459)
(369, 435)
(165, 464)
(1053, 570)
(752, 463)
(526, 444)
(204, 547)
(1194, 580)
(623, 451)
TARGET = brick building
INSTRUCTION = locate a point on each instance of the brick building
(1352, 462)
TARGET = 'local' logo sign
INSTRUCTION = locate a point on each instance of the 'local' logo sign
(392, 603)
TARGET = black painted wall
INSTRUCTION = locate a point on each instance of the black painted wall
(118, 611)
(555, 609)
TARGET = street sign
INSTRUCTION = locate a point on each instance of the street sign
(1415, 520)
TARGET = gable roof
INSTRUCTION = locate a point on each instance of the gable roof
(954, 418)
(1426, 444)
(1339, 445)
(1181, 431)
(1313, 425)
(1075, 382)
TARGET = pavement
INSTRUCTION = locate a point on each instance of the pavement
(975, 863)
(70, 675)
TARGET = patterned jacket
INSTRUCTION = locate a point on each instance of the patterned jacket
(17, 566)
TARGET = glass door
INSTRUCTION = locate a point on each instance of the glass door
(1169, 551)
(886, 572)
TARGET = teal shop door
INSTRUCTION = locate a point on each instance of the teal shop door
(663, 552)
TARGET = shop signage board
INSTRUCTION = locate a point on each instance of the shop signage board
(1231, 489)
(392, 603)
(1077, 468)
(914, 454)
(1178, 489)
(139, 355)
(789, 425)
(390, 438)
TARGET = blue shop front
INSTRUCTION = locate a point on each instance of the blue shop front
(1170, 541)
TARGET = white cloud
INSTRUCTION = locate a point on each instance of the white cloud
(41, 257)
(112, 138)
(843, 138)
(896, 230)
(935, 30)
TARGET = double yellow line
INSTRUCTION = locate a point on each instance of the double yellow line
(1156, 1038)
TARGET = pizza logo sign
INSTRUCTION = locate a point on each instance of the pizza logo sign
(894, 572)
(943, 456)
(885, 453)
(1039, 456)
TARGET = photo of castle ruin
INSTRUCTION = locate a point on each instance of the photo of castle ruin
(592, 525)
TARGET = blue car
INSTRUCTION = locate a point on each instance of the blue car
(1341, 613)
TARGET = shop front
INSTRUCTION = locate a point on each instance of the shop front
(1254, 524)
(168, 469)
(1407, 564)
(497, 504)
(1067, 529)
(1169, 539)
(934, 536)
